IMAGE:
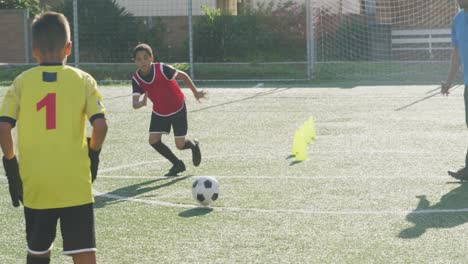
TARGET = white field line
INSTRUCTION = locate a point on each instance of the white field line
(352, 177)
(258, 85)
(159, 160)
(283, 156)
(129, 166)
(279, 210)
(123, 198)
(173, 194)
(287, 211)
(310, 178)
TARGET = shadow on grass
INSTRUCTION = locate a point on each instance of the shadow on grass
(135, 190)
(435, 92)
(444, 214)
(196, 212)
(295, 162)
(275, 90)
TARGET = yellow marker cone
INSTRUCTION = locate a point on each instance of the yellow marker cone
(296, 143)
(301, 154)
(311, 127)
(307, 132)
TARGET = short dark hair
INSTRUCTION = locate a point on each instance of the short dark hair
(142, 47)
(50, 32)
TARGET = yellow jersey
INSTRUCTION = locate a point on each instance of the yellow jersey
(50, 104)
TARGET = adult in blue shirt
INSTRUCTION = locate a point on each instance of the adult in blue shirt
(459, 56)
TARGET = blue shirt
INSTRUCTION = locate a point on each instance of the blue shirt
(460, 39)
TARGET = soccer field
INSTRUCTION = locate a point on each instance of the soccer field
(374, 188)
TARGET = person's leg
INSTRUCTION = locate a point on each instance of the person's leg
(462, 174)
(78, 232)
(181, 143)
(161, 125)
(180, 125)
(154, 138)
(161, 148)
(184, 143)
(38, 259)
(84, 258)
(40, 234)
(465, 96)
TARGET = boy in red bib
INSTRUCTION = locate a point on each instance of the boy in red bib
(157, 81)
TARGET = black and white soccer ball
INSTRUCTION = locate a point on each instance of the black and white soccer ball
(205, 190)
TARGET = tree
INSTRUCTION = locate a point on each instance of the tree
(107, 31)
(33, 6)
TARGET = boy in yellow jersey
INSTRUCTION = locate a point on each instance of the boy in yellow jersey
(50, 104)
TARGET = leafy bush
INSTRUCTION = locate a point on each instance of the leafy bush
(101, 25)
(33, 6)
(264, 33)
(108, 33)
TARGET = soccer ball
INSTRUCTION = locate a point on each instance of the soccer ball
(205, 190)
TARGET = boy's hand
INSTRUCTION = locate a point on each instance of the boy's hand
(94, 158)
(445, 87)
(145, 99)
(15, 185)
(200, 94)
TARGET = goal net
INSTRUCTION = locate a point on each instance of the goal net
(382, 39)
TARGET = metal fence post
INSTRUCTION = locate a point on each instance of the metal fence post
(190, 36)
(27, 51)
(76, 41)
(310, 40)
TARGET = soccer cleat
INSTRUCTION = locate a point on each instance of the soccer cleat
(176, 169)
(460, 174)
(196, 154)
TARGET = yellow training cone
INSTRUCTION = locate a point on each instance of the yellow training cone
(311, 127)
(301, 154)
(296, 143)
(307, 132)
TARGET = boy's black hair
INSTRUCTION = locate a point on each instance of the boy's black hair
(142, 47)
(50, 32)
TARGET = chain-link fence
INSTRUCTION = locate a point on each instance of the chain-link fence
(210, 39)
(262, 39)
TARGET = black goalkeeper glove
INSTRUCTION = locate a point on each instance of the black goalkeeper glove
(15, 185)
(94, 158)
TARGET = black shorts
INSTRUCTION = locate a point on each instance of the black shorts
(76, 224)
(163, 124)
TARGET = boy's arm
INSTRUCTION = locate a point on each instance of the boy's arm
(9, 114)
(6, 140)
(10, 164)
(9, 110)
(137, 92)
(98, 134)
(137, 103)
(95, 144)
(96, 112)
(180, 75)
(454, 66)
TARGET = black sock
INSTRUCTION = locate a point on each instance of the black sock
(189, 144)
(165, 151)
(37, 260)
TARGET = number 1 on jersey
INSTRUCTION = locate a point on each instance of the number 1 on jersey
(49, 102)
